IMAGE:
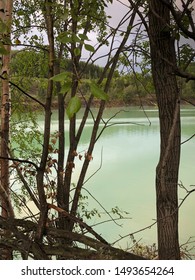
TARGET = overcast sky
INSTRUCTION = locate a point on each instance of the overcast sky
(117, 10)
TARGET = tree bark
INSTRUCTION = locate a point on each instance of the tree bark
(6, 207)
(163, 59)
(47, 123)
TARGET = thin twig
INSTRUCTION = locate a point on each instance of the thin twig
(188, 139)
(96, 170)
(154, 223)
(106, 123)
(112, 219)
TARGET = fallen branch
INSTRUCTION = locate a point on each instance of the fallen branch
(22, 241)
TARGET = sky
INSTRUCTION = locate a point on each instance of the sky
(116, 11)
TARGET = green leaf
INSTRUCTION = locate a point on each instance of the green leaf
(66, 87)
(98, 92)
(73, 107)
(64, 38)
(21, 13)
(64, 16)
(89, 48)
(75, 39)
(34, 37)
(83, 37)
(60, 77)
(77, 51)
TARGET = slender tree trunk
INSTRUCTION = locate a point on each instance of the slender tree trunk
(98, 119)
(6, 207)
(163, 61)
(47, 123)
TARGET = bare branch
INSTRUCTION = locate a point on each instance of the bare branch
(24, 92)
(20, 160)
(188, 139)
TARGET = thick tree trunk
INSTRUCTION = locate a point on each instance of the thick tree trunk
(163, 61)
(6, 208)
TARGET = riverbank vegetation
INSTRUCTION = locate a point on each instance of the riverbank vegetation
(29, 69)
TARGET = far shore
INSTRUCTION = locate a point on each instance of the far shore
(136, 101)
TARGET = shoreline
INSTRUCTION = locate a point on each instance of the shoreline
(137, 101)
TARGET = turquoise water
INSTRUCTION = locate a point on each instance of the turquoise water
(126, 155)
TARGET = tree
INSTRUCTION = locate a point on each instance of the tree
(67, 26)
(168, 23)
(5, 25)
(163, 59)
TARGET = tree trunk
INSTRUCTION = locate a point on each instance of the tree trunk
(163, 61)
(47, 123)
(6, 208)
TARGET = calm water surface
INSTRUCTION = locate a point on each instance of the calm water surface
(129, 152)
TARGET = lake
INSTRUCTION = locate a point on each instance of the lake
(128, 153)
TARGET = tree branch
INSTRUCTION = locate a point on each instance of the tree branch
(24, 92)
(20, 160)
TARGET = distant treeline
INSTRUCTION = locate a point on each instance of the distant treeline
(29, 69)
(35, 64)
